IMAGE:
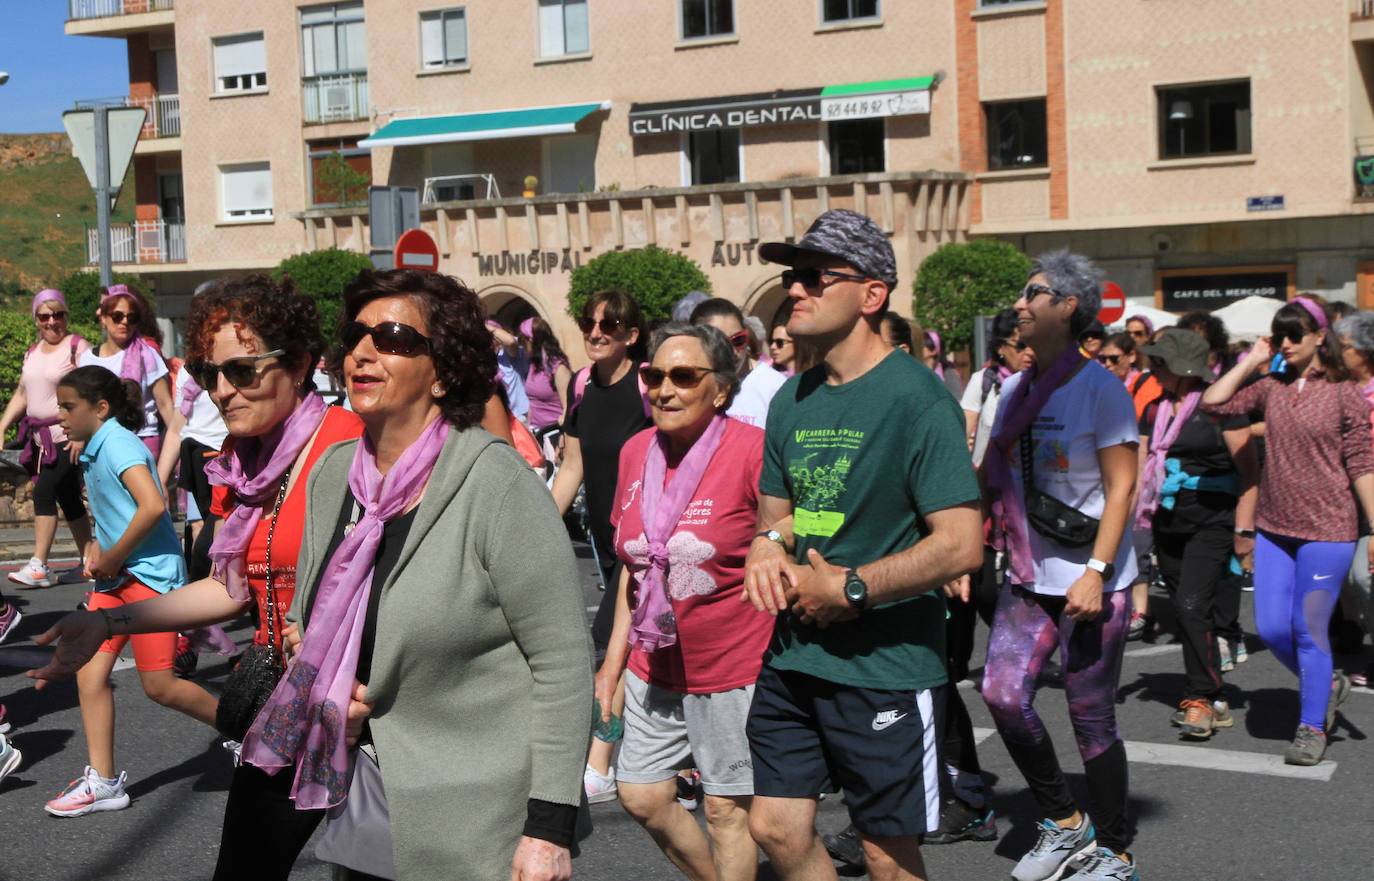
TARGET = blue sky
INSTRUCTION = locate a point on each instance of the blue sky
(50, 70)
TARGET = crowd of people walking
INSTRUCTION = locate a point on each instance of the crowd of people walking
(798, 530)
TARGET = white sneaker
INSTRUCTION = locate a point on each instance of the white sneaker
(9, 757)
(600, 787)
(88, 794)
(34, 574)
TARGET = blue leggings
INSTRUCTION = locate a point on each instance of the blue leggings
(1297, 583)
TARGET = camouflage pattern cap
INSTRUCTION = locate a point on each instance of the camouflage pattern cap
(849, 235)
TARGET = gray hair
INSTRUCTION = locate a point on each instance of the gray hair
(1360, 328)
(682, 309)
(1072, 275)
(716, 346)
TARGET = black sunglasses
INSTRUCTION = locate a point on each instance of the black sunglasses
(779, 341)
(1108, 359)
(44, 317)
(810, 276)
(682, 377)
(1031, 291)
(608, 325)
(118, 316)
(1293, 334)
(1016, 344)
(391, 337)
(238, 372)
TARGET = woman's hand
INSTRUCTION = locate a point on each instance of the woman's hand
(358, 711)
(540, 860)
(291, 640)
(78, 636)
(604, 690)
(1260, 353)
(1084, 597)
(105, 564)
(769, 574)
(1243, 545)
(74, 449)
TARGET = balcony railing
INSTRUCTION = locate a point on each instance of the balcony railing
(164, 112)
(143, 241)
(335, 97)
(458, 187)
(83, 9)
(1361, 9)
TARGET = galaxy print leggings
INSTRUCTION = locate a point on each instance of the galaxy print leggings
(1297, 584)
(1026, 630)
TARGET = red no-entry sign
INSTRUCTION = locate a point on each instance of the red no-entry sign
(415, 249)
(1113, 303)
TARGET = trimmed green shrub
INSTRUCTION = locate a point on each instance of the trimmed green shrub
(654, 277)
(82, 290)
(323, 275)
(963, 280)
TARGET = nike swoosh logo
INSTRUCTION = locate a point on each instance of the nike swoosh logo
(1322, 577)
(887, 723)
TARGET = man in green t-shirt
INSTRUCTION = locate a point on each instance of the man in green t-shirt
(868, 505)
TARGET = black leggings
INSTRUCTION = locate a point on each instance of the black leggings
(958, 746)
(194, 457)
(59, 484)
(1194, 566)
(263, 831)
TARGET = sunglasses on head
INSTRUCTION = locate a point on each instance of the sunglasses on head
(1108, 359)
(44, 317)
(119, 316)
(238, 372)
(608, 325)
(810, 276)
(391, 337)
(778, 341)
(682, 377)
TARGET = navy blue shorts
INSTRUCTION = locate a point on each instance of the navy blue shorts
(809, 736)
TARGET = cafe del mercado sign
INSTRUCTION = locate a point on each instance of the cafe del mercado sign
(900, 97)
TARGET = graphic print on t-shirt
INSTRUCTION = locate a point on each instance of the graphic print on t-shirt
(818, 482)
(685, 577)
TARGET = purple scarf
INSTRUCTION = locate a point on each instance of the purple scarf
(189, 392)
(253, 469)
(302, 723)
(1008, 507)
(1167, 426)
(652, 625)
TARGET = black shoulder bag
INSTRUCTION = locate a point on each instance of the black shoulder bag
(1047, 515)
(260, 667)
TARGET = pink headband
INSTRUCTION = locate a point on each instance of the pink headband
(47, 295)
(115, 290)
(527, 328)
(1314, 309)
(1149, 325)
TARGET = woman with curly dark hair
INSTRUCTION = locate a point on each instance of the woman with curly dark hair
(252, 344)
(438, 604)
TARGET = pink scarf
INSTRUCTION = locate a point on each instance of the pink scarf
(1008, 507)
(190, 390)
(652, 625)
(302, 723)
(1167, 426)
(253, 469)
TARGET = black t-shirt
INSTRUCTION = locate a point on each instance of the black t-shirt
(606, 417)
(1202, 452)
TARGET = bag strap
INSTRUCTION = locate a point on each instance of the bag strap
(1026, 477)
(584, 376)
(271, 594)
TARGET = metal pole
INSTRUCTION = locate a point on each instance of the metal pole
(980, 343)
(102, 191)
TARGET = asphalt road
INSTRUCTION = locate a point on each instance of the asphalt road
(1225, 809)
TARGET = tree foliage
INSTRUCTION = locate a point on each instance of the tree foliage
(83, 291)
(322, 275)
(340, 182)
(963, 280)
(656, 278)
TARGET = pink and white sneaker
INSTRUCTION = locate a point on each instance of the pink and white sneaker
(9, 619)
(88, 794)
(5, 725)
(34, 574)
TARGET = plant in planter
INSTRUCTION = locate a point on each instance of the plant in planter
(531, 184)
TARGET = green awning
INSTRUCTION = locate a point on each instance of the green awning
(492, 125)
(910, 84)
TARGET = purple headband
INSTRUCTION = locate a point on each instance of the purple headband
(115, 290)
(1149, 325)
(47, 295)
(527, 328)
(1314, 309)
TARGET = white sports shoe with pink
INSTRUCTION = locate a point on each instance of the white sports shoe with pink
(89, 794)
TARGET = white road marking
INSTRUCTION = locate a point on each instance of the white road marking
(1207, 758)
(1146, 651)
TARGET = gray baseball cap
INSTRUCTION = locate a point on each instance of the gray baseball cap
(849, 235)
(1183, 352)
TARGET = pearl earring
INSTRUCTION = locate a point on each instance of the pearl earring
(437, 390)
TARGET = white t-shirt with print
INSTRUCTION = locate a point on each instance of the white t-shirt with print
(986, 408)
(153, 370)
(1090, 412)
(755, 394)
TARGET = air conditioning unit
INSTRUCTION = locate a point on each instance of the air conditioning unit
(338, 101)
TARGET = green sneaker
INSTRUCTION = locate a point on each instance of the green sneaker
(1307, 748)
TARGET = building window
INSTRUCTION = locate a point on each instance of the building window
(856, 146)
(1204, 120)
(714, 156)
(443, 38)
(569, 164)
(333, 39)
(340, 171)
(246, 191)
(840, 11)
(707, 18)
(992, 4)
(1017, 134)
(562, 28)
(240, 63)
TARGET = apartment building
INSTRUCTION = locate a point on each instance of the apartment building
(1199, 151)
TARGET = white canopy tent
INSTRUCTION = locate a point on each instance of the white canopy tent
(1158, 317)
(1249, 319)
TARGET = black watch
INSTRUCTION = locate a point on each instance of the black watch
(855, 589)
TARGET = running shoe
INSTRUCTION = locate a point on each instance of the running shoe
(89, 794)
(1103, 865)
(846, 848)
(9, 619)
(1136, 629)
(5, 725)
(1340, 690)
(963, 822)
(1307, 748)
(1364, 679)
(185, 660)
(34, 574)
(74, 575)
(1055, 851)
(1221, 715)
(9, 758)
(599, 787)
(1198, 719)
(687, 790)
(1239, 652)
(1228, 660)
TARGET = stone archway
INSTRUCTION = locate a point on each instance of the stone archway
(766, 299)
(511, 304)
